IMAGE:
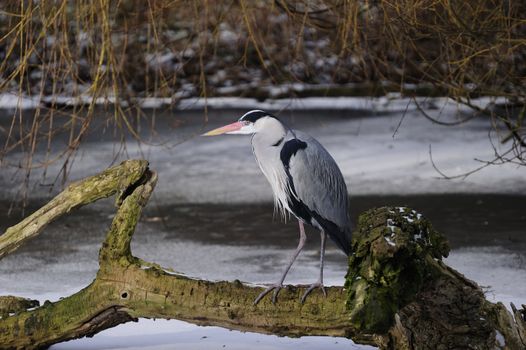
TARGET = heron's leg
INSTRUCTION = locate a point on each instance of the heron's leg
(277, 286)
(319, 283)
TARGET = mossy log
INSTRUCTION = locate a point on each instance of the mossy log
(398, 294)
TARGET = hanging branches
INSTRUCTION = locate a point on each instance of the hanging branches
(75, 60)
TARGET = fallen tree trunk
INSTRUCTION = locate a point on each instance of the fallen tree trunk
(398, 293)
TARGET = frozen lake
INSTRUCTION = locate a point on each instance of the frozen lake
(211, 216)
(381, 148)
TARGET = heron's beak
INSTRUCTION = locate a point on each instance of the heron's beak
(225, 129)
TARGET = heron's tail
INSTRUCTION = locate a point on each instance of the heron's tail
(342, 238)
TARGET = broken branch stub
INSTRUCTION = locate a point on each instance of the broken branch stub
(399, 288)
(388, 265)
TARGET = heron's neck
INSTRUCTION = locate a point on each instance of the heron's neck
(272, 133)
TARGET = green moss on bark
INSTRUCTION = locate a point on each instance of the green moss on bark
(388, 265)
(11, 304)
(120, 179)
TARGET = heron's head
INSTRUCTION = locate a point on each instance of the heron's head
(250, 123)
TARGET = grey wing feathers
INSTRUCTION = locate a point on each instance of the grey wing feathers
(319, 184)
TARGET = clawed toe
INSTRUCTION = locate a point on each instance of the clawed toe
(311, 288)
(275, 287)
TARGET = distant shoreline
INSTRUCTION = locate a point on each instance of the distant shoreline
(391, 102)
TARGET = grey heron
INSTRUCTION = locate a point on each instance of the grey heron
(305, 181)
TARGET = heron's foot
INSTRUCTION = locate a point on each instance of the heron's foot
(275, 287)
(311, 288)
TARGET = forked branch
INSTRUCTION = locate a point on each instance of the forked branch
(398, 293)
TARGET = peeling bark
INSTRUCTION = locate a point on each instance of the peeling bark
(398, 294)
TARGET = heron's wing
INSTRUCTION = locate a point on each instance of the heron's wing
(317, 182)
